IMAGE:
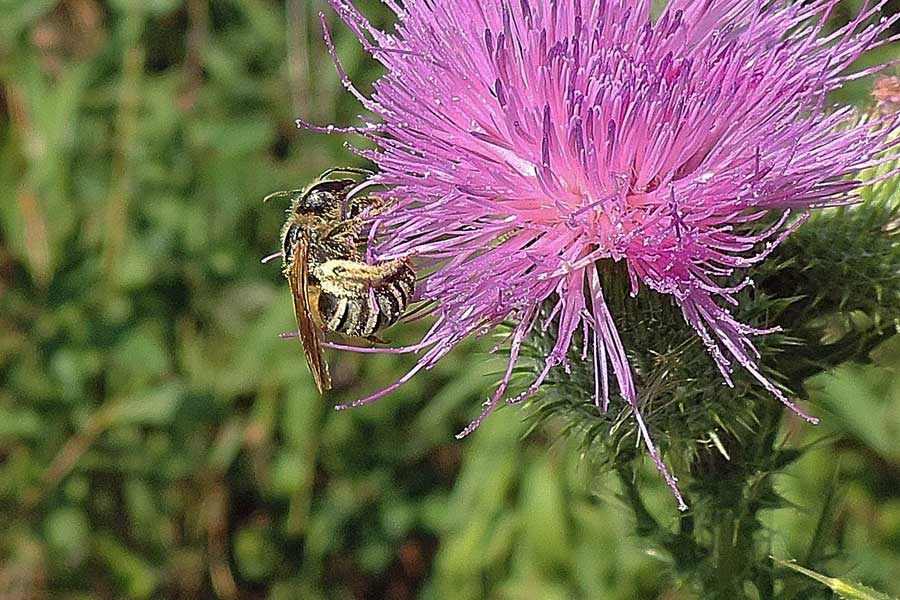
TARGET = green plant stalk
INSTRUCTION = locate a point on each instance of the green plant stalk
(122, 178)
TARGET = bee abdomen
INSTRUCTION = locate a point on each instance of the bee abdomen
(370, 311)
(395, 294)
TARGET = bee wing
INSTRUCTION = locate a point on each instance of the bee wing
(310, 334)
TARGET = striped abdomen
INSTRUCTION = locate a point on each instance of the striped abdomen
(367, 312)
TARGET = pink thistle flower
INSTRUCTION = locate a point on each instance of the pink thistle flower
(524, 141)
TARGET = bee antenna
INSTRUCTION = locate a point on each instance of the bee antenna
(281, 194)
(357, 170)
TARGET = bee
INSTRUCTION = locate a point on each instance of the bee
(333, 288)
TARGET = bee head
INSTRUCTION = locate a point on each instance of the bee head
(323, 197)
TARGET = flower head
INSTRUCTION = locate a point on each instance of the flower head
(528, 141)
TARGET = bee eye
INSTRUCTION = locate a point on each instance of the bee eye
(287, 244)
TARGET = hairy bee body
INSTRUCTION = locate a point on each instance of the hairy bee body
(347, 295)
(334, 289)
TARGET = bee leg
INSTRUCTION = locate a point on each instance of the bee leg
(376, 339)
(371, 205)
(389, 268)
(351, 226)
(349, 274)
(348, 229)
(343, 272)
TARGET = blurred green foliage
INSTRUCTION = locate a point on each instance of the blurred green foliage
(157, 440)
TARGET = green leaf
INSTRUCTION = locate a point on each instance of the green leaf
(254, 552)
(18, 424)
(156, 407)
(864, 403)
(887, 354)
(844, 589)
(137, 578)
(67, 532)
(543, 508)
(140, 359)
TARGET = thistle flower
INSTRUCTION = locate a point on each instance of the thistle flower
(526, 144)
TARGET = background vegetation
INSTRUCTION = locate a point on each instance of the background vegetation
(157, 440)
